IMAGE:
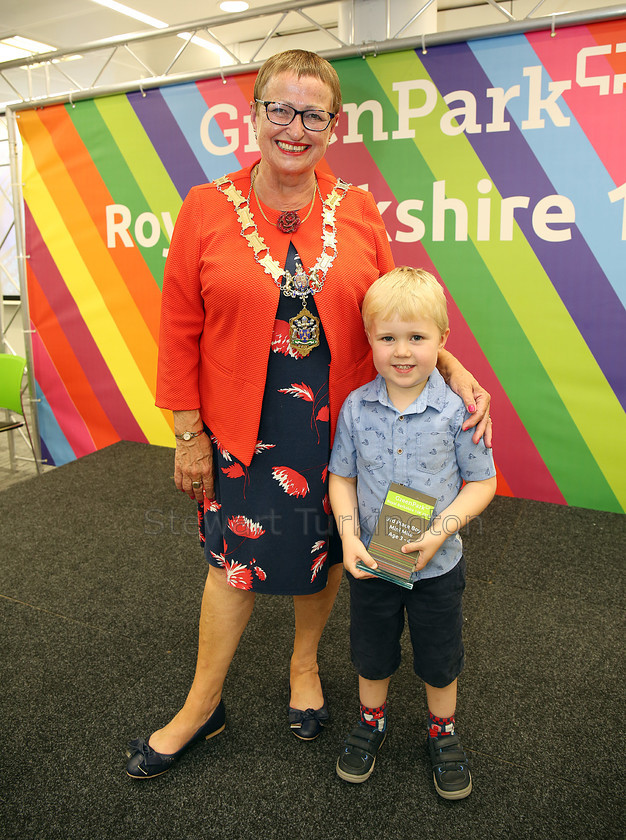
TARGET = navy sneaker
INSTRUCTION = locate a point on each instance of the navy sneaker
(451, 772)
(356, 762)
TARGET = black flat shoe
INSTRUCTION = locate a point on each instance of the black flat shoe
(307, 724)
(145, 763)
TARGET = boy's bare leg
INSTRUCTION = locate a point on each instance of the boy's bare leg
(373, 693)
(442, 701)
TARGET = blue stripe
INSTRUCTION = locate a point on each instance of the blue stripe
(566, 155)
(50, 432)
(188, 107)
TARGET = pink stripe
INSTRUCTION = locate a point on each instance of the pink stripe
(61, 405)
(602, 118)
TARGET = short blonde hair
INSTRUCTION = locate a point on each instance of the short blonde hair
(302, 63)
(406, 293)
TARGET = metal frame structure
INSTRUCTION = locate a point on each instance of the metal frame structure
(109, 47)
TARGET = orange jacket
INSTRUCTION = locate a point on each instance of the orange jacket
(219, 306)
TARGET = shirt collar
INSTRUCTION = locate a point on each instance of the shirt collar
(433, 395)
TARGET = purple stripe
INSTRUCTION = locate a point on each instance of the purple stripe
(78, 336)
(168, 140)
(571, 266)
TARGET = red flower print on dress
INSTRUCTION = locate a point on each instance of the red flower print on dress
(221, 560)
(244, 527)
(326, 505)
(280, 340)
(236, 471)
(211, 505)
(237, 575)
(258, 571)
(261, 447)
(301, 391)
(318, 561)
(224, 452)
(319, 410)
(323, 413)
(291, 481)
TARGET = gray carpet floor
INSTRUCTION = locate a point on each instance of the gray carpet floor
(100, 584)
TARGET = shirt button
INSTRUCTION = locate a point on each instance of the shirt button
(400, 451)
(401, 417)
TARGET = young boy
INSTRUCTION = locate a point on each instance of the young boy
(405, 427)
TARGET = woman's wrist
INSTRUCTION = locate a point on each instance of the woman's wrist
(188, 424)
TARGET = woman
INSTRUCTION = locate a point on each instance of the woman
(261, 341)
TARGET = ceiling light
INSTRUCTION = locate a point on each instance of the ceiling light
(234, 6)
(18, 47)
(132, 13)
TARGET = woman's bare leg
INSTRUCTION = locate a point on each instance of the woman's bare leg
(311, 615)
(223, 618)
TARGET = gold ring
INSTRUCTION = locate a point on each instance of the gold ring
(196, 484)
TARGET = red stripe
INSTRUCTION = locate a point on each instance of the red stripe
(60, 307)
(95, 196)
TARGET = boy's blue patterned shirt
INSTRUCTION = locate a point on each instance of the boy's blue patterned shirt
(422, 447)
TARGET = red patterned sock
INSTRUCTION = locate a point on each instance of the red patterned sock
(376, 718)
(440, 725)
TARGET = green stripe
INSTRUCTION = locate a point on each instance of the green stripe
(148, 171)
(118, 177)
(472, 284)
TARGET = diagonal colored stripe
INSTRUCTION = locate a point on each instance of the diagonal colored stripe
(569, 265)
(96, 315)
(95, 258)
(563, 152)
(61, 406)
(527, 291)
(188, 107)
(120, 182)
(240, 134)
(55, 448)
(170, 142)
(131, 267)
(148, 172)
(601, 116)
(102, 388)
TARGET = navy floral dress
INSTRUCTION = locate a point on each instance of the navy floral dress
(270, 524)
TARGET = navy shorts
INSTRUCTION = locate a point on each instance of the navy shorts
(434, 612)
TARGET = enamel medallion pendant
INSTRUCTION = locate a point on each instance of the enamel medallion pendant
(304, 332)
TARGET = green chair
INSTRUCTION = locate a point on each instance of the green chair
(11, 376)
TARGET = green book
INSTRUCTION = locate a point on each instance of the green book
(404, 516)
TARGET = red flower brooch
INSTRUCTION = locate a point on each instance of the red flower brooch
(288, 221)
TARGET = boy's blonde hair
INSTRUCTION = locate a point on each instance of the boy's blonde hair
(405, 293)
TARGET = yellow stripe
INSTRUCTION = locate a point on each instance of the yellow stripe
(97, 317)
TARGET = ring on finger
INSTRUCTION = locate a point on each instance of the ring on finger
(196, 485)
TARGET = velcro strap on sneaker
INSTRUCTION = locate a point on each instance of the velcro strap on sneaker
(361, 739)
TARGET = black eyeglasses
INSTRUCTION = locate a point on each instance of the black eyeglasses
(281, 114)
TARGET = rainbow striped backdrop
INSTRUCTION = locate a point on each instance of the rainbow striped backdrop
(541, 323)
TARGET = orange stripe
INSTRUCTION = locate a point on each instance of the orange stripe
(95, 196)
(105, 274)
(68, 367)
